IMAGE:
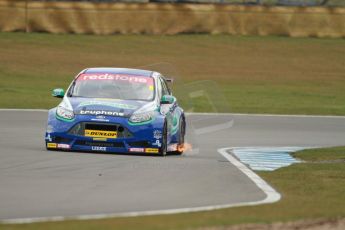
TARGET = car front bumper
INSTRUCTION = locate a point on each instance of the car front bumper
(71, 136)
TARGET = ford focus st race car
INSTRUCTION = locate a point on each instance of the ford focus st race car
(117, 110)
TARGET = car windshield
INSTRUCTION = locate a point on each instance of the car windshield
(115, 86)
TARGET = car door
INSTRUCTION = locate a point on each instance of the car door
(170, 109)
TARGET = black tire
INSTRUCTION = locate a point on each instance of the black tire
(163, 149)
(182, 128)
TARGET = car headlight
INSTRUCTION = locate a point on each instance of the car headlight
(64, 114)
(141, 117)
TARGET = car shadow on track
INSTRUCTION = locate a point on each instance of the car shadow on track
(113, 153)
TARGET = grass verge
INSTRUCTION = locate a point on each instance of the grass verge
(311, 190)
(252, 74)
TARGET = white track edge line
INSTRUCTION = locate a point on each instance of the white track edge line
(212, 114)
(271, 197)
(271, 194)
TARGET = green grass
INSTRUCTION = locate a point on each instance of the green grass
(310, 190)
(319, 155)
(249, 74)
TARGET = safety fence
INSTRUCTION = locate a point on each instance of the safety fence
(170, 18)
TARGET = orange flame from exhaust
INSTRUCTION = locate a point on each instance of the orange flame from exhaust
(184, 147)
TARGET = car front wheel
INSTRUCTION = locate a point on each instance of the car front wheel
(180, 144)
(163, 149)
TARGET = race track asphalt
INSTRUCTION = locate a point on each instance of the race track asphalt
(39, 183)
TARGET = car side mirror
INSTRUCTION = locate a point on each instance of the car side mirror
(59, 93)
(168, 99)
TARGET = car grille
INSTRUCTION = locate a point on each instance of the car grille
(79, 129)
(58, 139)
(139, 144)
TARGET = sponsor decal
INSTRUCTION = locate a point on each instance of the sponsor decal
(100, 118)
(63, 146)
(103, 120)
(108, 103)
(51, 145)
(99, 133)
(98, 148)
(151, 150)
(100, 139)
(157, 134)
(157, 143)
(116, 77)
(48, 137)
(140, 150)
(101, 112)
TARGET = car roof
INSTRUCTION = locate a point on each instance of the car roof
(140, 72)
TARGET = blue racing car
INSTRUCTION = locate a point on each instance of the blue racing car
(117, 110)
